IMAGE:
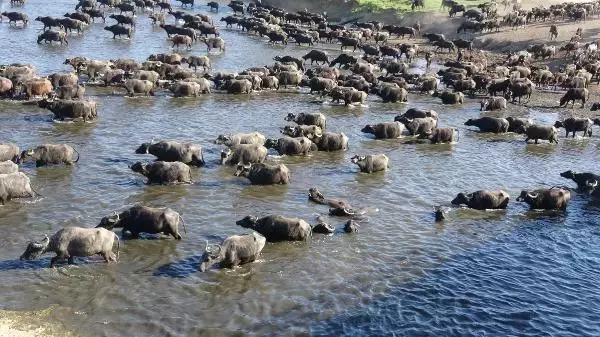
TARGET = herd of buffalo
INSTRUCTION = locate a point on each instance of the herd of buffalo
(375, 66)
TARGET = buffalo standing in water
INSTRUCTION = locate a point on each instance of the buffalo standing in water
(233, 251)
(278, 228)
(143, 219)
(70, 242)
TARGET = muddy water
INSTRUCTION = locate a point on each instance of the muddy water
(477, 273)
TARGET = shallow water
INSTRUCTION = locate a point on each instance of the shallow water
(478, 273)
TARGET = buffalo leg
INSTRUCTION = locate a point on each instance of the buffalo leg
(55, 259)
(70, 260)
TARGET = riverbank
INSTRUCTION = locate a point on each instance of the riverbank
(30, 324)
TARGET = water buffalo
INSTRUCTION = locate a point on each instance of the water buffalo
(343, 59)
(537, 132)
(135, 86)
(48, 21)
(119, 30)
(291, 146)
(213, 43)
(493, 103)
(385, 130)
(69, 25)
(241, 138)
(14, 185)
(580, 179)
(316, 56)
(35, 87)
(269, 82)
(391, 92)
(8, 166)
(71, 109)
(6, 87)
(188, 89)
(489, 124)
(371, 163)
(515, 124)
(70, 242)
(14, 17)
(142, 219)
(244, 154)
(9, 152)
(213, 5)
(449, 97)
(171, 151)
(309, 131)
(178, 40)
(123, 19)
(330, 141)
(197, 61)
(416, 126)
(83, 17)
(125, 7)
(483, 199)
(264, 174)
(172, 58)
(549, 199)
(233, 251)
(95, 13)
(322, 227)
(302, 118)
(278, 228)
(576, 124)
(416, 113)
(338, 207)
(242, 86)
(518, 89)
(66, 92)
(162, 172)
(574, 94)
(351, 226)
(46, 154)
(321, 84)
(293, 78)
(50, 35)
(441, 135)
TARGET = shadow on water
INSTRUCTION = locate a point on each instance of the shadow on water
(180, 269)
(17, 264)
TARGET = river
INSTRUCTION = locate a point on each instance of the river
(512, 272)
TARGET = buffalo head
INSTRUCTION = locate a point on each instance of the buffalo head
(461, 198)
(143, 149)
(315, 195)
(25, 155)
(248, 221)
(210, 257)
(109, 222)
(351, 227)
(271, 143)
(225, 155)
(290, 117)
(356, 159)
(323, 228)
(242, 170)
(527, 196)
(35, 249)
(368, 129)
(568, 174)
(139, 167)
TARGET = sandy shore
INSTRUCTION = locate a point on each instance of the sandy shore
(30, 324)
